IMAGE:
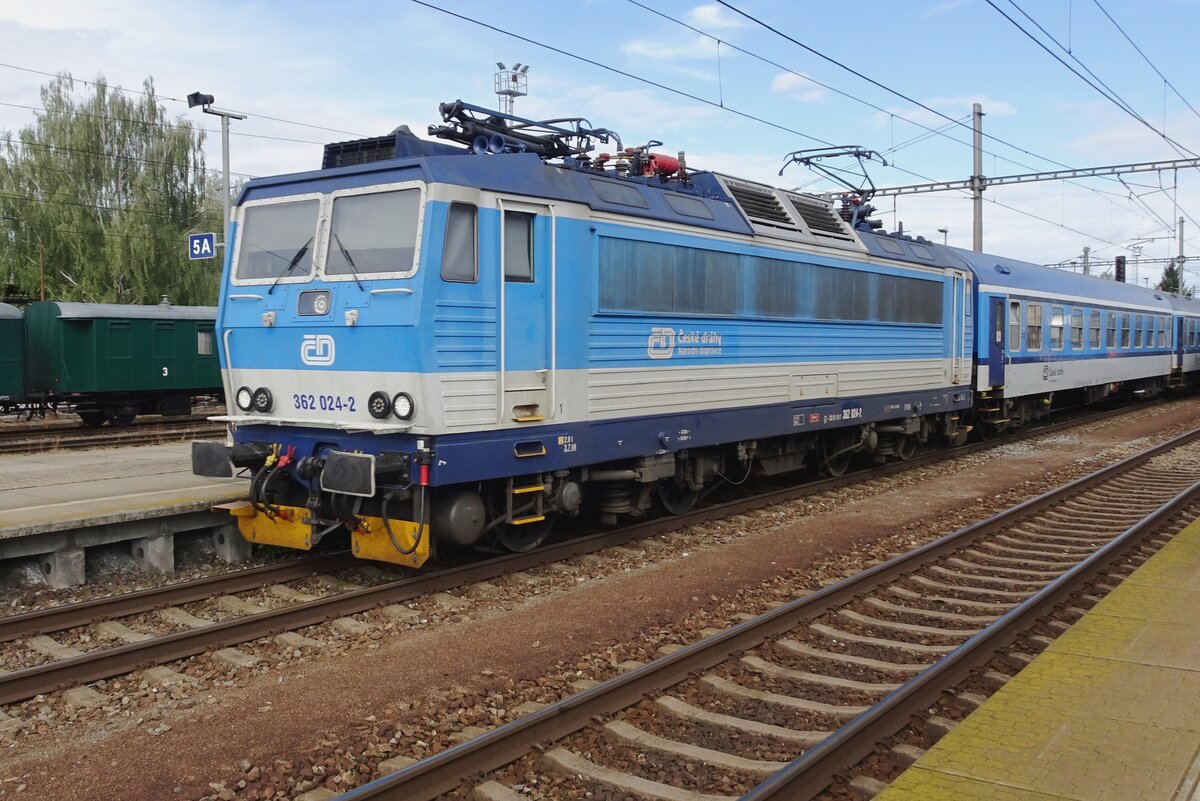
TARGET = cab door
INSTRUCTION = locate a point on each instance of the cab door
(527, 312)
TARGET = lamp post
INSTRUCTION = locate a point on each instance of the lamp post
(945, 232)
(205, 102)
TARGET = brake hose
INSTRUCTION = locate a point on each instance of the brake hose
(420, 522)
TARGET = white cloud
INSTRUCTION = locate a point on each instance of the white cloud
(798, 87)
(696, 47)
(944, 8)
(714, 17)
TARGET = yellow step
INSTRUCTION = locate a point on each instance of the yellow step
(522, 521)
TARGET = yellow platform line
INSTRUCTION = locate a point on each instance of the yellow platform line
(1109, 712)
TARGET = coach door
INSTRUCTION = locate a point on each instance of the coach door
(527, 312)
(997, 328)
(1180, 333)
(960, 334)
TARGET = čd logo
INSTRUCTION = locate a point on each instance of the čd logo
(317, 350)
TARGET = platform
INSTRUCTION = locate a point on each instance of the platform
(64, 501)
(1109, 712)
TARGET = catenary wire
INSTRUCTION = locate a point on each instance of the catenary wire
(1132, 43)
(1115, 101)
(159, 96)
(680, 92)
(880, 85)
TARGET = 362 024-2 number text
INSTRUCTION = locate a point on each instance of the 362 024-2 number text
(325, 403)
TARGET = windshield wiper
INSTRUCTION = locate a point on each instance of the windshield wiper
(291, 264)
(349, 260)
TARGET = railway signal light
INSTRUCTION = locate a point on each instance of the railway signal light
(1120, 268)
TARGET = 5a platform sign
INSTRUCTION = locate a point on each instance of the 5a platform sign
(202, 246)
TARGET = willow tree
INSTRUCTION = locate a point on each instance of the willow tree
(97, 196)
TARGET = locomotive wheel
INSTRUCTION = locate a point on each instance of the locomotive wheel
(92, 419)
(520, 539)
(674, 499)
(835, 444)
(907, 449)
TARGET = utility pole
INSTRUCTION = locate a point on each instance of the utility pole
(1087, 270)
(1179, 237)
(977, 180)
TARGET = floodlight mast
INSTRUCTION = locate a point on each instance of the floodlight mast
(205, 102)
(511, 83)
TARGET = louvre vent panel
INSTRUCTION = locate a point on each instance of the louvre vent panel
(789, 216)
(761, 206)
(820, 218)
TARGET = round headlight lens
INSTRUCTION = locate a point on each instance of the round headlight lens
(403, 406)
(379, 405)
(263, 400)
(245, 399)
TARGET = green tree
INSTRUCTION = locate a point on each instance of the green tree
(1172, 279)
(98, 195)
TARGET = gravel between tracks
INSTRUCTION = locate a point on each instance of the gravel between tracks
(329, 714)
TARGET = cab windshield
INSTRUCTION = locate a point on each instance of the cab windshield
(276, 240)
(373, 233)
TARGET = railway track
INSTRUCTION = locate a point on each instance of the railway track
(51, 437)
(818, 683)
(65, 666)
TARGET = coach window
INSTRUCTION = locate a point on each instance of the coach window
(1125, 330)
(1138, 325)
(204, 342)
(1014, 325)
(1111, 340)
(1033, 324)
(1057, 322)
(518, 246)
(1163, 323)
(1077, 329)
(1094, 328)
(459, 255)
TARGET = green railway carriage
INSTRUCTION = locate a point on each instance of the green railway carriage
(112, 362)
(12, 356)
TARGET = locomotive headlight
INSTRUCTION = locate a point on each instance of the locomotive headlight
(245, 399)
(379, 405)
(403, 406)
(262, 400)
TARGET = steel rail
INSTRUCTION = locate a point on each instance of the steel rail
(74, 438)
(810, 773)
(444, 771)
(25, 683)
(57, 618)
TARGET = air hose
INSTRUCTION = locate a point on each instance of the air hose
(421, 521)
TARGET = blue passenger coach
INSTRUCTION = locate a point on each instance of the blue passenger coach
(1051, 331)
(433, 344)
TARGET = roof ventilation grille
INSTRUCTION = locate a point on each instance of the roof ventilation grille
(819, 216)
(761, 205)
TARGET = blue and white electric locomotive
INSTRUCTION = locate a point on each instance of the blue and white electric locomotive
(433, 343)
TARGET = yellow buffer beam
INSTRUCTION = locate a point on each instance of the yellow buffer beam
(369, 541)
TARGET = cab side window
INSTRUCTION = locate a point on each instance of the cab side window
(518, 246)
(460, 253)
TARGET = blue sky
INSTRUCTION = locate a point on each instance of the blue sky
(364, 67)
